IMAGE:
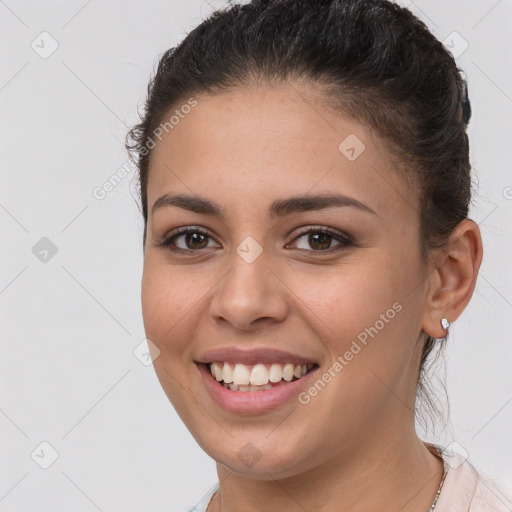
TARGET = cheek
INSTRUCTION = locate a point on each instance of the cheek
(171, 300)
(364, 316)
(345, 300)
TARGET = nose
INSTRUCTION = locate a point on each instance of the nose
(249, 296)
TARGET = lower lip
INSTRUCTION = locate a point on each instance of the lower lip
(252, 402)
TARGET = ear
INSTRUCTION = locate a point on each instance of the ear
(451, 283)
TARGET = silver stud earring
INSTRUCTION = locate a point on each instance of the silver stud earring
(444, 323)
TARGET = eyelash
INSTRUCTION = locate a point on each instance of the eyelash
(344, 240)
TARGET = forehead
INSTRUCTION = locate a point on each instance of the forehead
(280, 141)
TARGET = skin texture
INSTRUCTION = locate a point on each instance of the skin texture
(355, 441)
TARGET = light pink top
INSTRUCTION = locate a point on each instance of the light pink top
(464, 490)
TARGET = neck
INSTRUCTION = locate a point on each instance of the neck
(397, 474)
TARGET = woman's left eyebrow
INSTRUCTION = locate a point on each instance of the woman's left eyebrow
(304, 203)
(279, 208)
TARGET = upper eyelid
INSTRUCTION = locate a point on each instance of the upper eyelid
(325, 229)
(183, 230)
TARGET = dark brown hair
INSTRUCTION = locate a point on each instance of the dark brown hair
(373, 60)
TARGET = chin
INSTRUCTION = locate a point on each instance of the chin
(260, 456)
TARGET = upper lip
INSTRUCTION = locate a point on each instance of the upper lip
(252, 356)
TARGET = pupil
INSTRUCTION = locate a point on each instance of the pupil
(195, 240)
(320, 240)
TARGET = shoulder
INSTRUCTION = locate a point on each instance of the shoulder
(465, 490)
(489, 498)
(202, 505)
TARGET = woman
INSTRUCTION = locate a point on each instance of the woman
(305, 182)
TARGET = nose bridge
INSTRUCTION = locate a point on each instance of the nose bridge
(249, 291)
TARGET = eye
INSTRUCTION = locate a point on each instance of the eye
(320, 239)
(189, 238)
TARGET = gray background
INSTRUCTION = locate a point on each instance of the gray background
(70, 321)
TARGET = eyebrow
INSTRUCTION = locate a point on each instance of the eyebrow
(279, 208)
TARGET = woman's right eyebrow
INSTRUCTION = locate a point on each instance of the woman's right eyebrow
(192, 203)
(279, 208)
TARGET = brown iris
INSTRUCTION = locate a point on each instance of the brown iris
(196, 240)
(320, 240)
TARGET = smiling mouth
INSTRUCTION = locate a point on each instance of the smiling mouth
(257, 377)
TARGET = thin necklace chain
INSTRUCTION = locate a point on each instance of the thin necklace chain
(440, 487)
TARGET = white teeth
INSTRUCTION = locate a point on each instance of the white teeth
(241, 375)
(276, 373)
(259, 375)
(216, 371)
(227, 373)
(288, 372)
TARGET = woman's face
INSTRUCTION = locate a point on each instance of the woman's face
(302, 249)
